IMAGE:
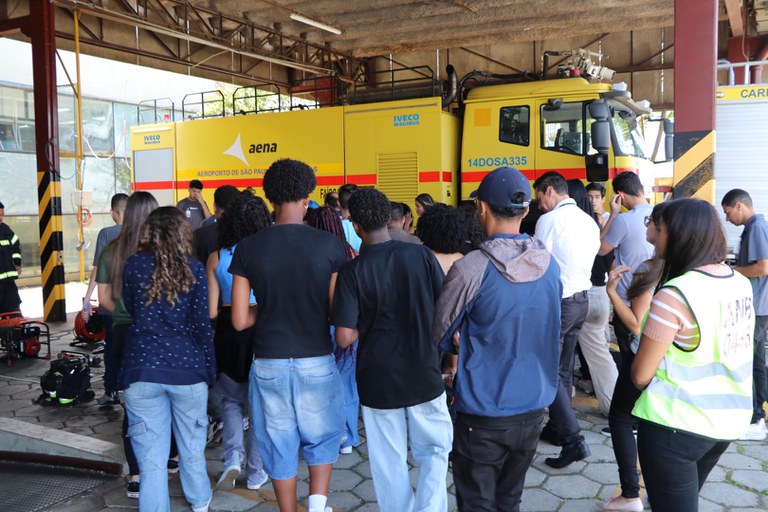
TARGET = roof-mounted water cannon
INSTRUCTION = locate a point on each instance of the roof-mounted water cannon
(580, 63)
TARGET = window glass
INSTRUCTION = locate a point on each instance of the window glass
(25, 135)
(66, 124)
(18, 175)
(8, 136)
(563, 129)
(98, 127)
(514, 125)
(629, 140)
(99, 179)
(67, 177)
(125, 117)
(123, 175)
(11, 102)
(17, 128)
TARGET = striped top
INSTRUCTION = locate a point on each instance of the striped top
(670, 319)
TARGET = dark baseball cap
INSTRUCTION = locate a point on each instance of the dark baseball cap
(500, 185)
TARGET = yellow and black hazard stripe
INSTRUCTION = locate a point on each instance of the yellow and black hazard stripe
(694, 168)
(51, 246)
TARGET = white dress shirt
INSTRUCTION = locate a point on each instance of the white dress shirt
(573, 239)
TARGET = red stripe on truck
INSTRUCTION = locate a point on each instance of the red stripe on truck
(153, 185)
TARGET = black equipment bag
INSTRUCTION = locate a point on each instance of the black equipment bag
(68, 381)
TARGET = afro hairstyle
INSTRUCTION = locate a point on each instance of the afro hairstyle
(442, 228)
(370, 209)
(288, 180)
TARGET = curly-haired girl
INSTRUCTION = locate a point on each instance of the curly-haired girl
(246, 215)
(168, 362)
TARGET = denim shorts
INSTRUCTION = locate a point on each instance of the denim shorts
(296, 403)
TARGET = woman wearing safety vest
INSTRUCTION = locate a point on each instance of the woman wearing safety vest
(695, 358)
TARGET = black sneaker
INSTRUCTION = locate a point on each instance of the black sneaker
(109, 399)
(173, 466)
(132, 491)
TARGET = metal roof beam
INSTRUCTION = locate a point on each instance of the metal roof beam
(209, 38)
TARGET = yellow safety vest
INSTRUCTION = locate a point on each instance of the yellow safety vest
(707, 390)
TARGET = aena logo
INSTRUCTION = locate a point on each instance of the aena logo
(238, 151)
(406, 120)
(267, 147)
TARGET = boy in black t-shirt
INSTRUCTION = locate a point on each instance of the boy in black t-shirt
(387, 296)
(295, 394)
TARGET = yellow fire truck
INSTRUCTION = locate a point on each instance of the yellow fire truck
(402, 139)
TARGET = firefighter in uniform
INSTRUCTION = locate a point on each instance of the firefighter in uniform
(10, 266)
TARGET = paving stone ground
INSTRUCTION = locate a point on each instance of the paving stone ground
(738, 484)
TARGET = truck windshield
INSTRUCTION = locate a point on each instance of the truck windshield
(629, 139)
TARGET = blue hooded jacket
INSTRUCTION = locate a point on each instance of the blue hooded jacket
(504, 299)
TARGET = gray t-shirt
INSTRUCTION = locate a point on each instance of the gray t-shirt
(754, 247)
(627, 236)
(402, 236)
(106, 235)
(193, 211)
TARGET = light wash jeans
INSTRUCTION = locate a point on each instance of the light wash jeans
(431, 433)
(296, 403)
(234, 406)
(594, 346)
(152, 410)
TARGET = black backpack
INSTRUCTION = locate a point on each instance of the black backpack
(67, 382)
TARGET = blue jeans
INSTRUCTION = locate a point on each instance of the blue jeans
(347, 365)
(152, 410)
(296, 403)
(431, 432)
(234, 406)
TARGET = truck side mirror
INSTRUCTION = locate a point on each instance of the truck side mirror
(600, 133)
(598, 109)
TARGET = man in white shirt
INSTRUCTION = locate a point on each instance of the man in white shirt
(573, 238)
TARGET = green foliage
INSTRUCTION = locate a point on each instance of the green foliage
(230, 99)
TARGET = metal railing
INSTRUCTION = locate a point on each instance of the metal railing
(731, 66)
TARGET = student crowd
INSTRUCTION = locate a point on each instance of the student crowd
(457, 342)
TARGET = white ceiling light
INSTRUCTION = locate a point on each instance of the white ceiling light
(316, 24)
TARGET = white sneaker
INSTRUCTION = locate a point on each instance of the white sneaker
(203, 508)
(228, 477)
(255, 486)
(586, 386)
(345, 450)
(621, 504)
(756, 432)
